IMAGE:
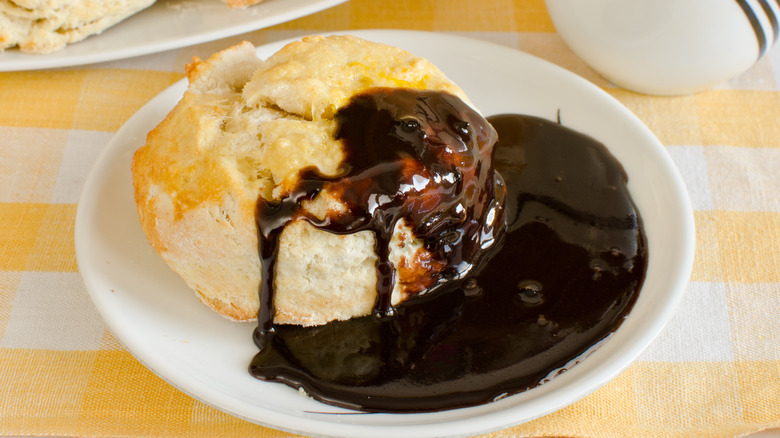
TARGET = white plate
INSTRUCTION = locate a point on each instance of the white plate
(161, 322)
(166, 25)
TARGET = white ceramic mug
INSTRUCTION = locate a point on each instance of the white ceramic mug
(667, 47)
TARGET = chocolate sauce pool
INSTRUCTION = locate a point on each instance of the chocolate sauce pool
(530, 295)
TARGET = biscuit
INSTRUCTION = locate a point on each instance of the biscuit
(244, 129)
(46, 26)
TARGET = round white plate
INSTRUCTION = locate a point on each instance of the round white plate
(160, 321)
(166, 25)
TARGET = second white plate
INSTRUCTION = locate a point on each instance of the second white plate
(166, 25)
(160, 321)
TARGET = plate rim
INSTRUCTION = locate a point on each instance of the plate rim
(492, 419)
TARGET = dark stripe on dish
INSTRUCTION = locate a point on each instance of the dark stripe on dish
(770, 13)
(759, 31)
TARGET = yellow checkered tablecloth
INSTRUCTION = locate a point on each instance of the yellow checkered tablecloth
(714, 371)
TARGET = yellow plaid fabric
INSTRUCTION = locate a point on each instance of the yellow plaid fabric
(714, 371)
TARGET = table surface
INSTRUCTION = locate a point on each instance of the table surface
(713, 371)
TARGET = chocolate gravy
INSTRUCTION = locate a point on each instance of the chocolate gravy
(557, 274)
